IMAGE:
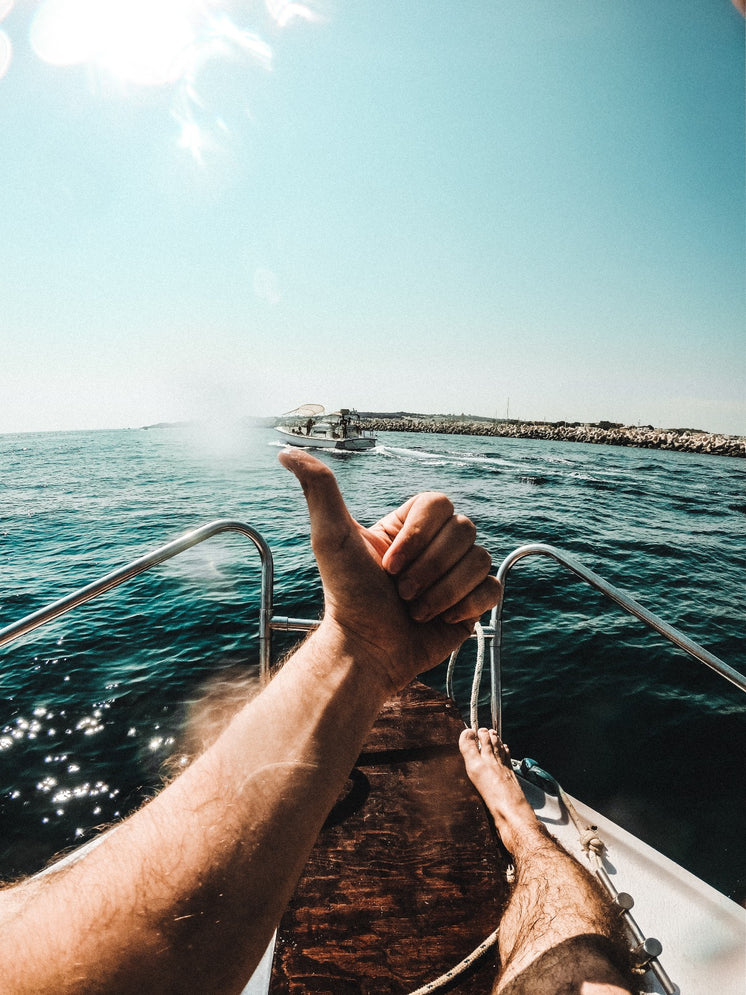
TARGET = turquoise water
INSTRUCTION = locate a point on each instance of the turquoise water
(94, 704)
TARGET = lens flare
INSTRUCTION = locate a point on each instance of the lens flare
(155, 43)
(6, 53)
(139, 41)
(283, 12)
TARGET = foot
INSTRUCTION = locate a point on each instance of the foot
(489, 769)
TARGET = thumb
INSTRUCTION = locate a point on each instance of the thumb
(331, 522)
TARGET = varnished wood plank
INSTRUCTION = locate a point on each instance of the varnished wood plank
(406, 877)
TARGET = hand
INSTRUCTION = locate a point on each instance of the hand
(404, 593)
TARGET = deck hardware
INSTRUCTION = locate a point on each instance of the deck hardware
(647, 951)
(532, 772)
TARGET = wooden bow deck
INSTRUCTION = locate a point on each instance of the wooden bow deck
(407, 877)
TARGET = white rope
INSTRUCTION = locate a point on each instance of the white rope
(462, 966)
(590, 841)
(449, 674)
(478, 668)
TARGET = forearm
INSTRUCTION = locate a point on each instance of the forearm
(208, 866)
(185, 894)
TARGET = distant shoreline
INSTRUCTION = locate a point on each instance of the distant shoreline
(600, 433)
(683, 440)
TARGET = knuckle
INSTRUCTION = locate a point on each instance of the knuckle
(466, 527)
(488, 593)
(495, 588)
(414, 532)
(441, 502)
(483, 559)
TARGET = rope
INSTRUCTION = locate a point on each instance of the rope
(465, 964)
(478, 668)
(590, 841)
(594, 846)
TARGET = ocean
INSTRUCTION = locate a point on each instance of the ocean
(95, 706)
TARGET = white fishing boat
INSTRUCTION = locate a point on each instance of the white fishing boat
(394, 899)
(311, 428)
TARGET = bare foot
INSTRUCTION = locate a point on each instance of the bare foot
(558, 932)
(488, 765)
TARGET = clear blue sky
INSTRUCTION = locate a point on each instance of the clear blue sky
(218, 209)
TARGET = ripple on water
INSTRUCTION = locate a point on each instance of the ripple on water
(93, 706)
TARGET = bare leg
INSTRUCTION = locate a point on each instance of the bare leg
(559, 933)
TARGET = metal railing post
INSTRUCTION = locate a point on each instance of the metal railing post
(171, 549)
(614, 594)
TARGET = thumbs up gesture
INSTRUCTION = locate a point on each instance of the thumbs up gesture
(404, 593)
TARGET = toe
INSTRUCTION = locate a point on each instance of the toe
(500, 748)
(485, 740)
(468, 744)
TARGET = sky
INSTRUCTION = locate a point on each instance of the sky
(226, 209)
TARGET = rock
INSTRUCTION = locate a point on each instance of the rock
(602, 433)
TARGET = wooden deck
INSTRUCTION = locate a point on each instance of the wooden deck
(406, 878)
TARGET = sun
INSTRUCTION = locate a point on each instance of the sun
(145, 42)
(157, 43)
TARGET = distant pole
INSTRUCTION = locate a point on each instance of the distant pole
(507, 411)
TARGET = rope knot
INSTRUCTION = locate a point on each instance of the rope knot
(590, 840)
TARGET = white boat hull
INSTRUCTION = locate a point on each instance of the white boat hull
(354, 443)
(703, 933)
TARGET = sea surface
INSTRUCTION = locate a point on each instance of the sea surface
(96, 708)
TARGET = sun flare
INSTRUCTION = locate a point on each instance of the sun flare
(155, 43)
(144, 42)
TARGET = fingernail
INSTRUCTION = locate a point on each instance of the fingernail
(407, 589)
(394, 564)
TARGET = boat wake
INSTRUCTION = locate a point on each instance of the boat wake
(421, 455)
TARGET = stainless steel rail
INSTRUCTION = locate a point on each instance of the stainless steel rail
(281, 623)
(268, 623)
(624, 601)
(171, 549)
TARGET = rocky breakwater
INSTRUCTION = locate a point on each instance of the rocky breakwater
(600, 433)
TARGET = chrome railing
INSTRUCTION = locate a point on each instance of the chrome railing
(614, 594)
(269, 623)
(171, 549)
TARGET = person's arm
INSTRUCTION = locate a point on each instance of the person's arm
(185, 894)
